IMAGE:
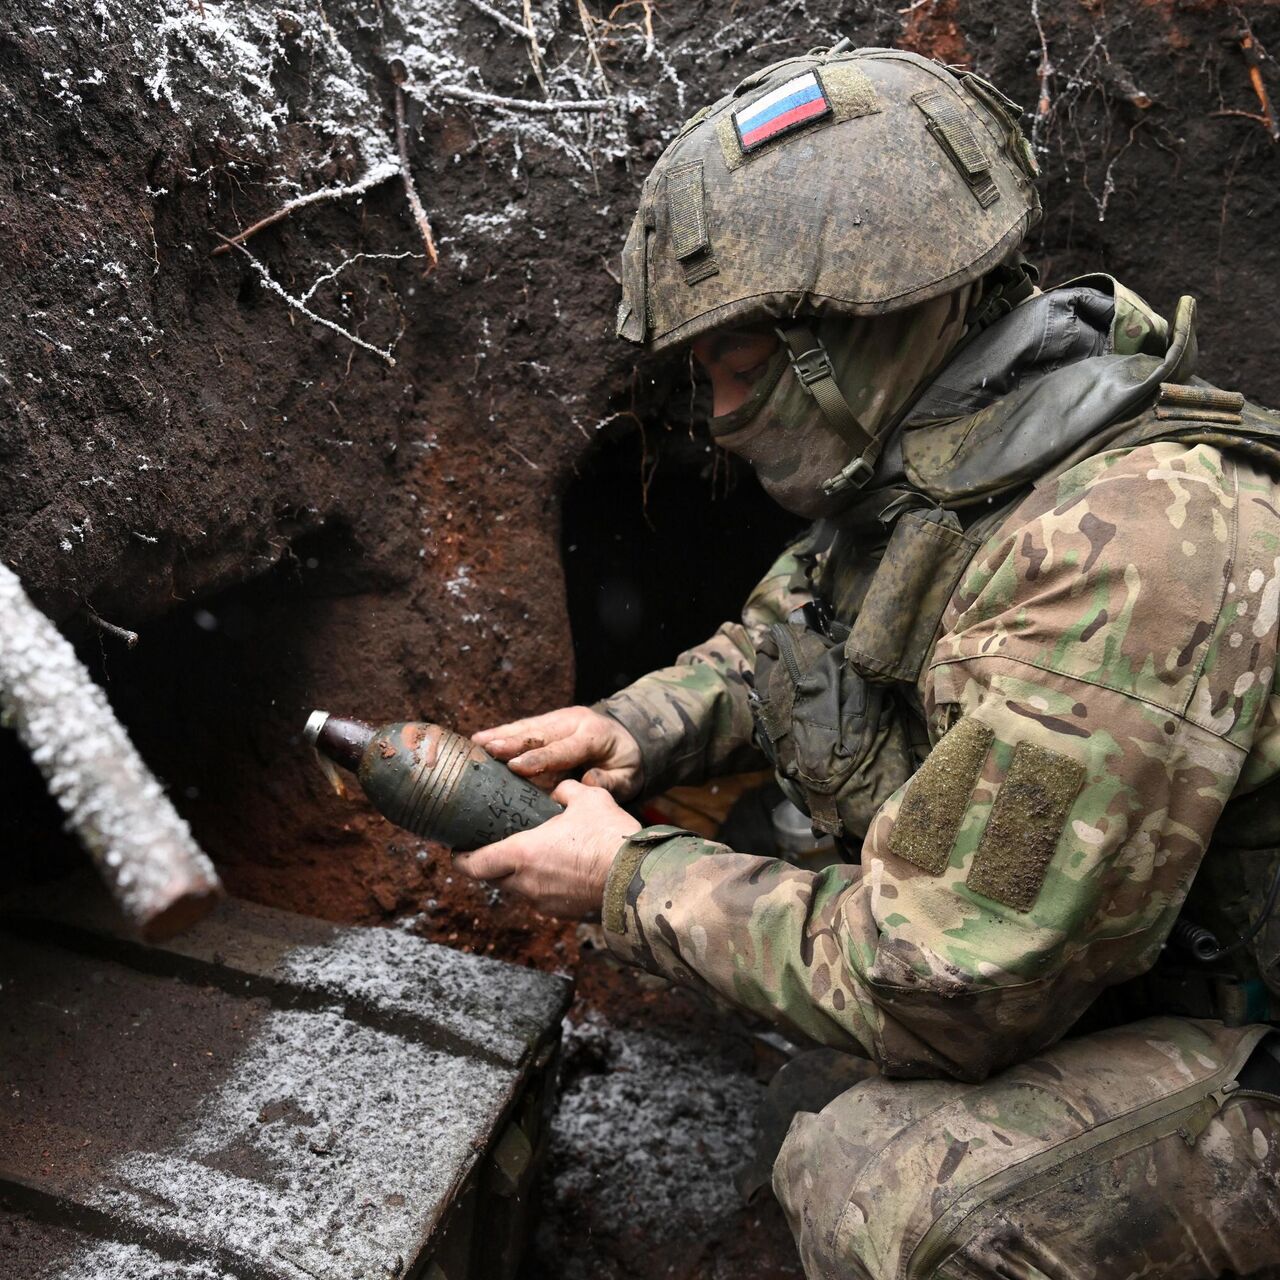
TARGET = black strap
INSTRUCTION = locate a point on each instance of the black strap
(1004, 287)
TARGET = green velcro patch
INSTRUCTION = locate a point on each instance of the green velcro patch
(727, 136)
(687, 211)
(1026, 821)
(1204, 404)
(948, 122)
(849, 91)
(938, 797)
(613, 909)
(686, 205)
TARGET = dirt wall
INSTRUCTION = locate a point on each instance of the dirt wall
(288, 518)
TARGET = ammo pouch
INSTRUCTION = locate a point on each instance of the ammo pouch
(895, 628)
(829, 712)
(833, 738)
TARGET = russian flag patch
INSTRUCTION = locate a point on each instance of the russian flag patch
(790, 106)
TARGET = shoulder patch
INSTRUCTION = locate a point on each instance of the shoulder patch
(1026, 822)
(938, 797)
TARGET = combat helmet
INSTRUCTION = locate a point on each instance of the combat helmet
(850, 182)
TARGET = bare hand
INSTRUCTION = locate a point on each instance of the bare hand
(547, 748)
(560, 867)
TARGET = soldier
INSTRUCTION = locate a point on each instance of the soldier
(1022, 668)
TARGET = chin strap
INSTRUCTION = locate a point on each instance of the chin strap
(814, 372)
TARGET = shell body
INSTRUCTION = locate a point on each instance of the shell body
(434, 782)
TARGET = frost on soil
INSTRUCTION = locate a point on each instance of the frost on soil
(327, 1152)
(646, 1140)
(115, 1260)
(265, 79)
(483, 1002)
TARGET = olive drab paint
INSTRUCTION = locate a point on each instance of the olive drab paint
(431, 781)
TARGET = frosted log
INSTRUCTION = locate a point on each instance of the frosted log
(144, 851)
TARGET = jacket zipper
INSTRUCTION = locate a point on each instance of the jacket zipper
(786, 647)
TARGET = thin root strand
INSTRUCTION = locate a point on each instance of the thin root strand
(270, 283)
(380, 172)
(128, 638)
(457, 93)
(410, 190)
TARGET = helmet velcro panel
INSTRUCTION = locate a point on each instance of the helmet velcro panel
(956, 137)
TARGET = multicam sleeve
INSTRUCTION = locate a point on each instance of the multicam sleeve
(692, 720)
(1101, 677)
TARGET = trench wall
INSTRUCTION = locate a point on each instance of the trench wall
(290, 519)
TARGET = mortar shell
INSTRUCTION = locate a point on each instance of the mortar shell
(434, 782)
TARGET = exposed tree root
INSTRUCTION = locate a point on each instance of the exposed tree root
(457, 93)
(269, 282)
(1044, 101)
(535, 53)
(128, 638)
(1254, 56)
(588, 31)
(525, 32)
(410, 190)
(378, 174)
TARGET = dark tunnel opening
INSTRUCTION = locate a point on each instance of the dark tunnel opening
(663, 539)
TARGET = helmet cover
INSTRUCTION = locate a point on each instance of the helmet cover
(833, 185)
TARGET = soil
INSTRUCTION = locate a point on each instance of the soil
(656, 1116)
(289, 521)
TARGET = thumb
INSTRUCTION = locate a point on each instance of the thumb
(568, 791)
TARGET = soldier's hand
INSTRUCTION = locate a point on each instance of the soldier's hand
(548, 748)
(560, 867)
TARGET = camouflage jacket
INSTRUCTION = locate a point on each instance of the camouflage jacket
(1100, 686)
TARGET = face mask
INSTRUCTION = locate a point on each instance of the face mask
(879, 363)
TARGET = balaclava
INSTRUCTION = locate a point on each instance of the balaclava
(879, 363)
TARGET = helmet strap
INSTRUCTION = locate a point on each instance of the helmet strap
(815, 373)
(1007, 286)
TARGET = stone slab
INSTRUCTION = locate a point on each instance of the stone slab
(471, 1004)
(268, 1096)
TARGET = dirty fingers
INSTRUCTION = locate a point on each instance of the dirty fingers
(561, 867)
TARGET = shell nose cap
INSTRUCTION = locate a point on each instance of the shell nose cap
(315, 722)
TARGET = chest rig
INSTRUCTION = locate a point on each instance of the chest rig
(836, 687)
(836, 691)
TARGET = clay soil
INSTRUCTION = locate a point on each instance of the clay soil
(289, 521)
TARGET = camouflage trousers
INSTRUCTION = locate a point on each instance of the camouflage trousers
(1150, 1150)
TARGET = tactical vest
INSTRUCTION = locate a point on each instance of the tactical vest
(835, 693)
